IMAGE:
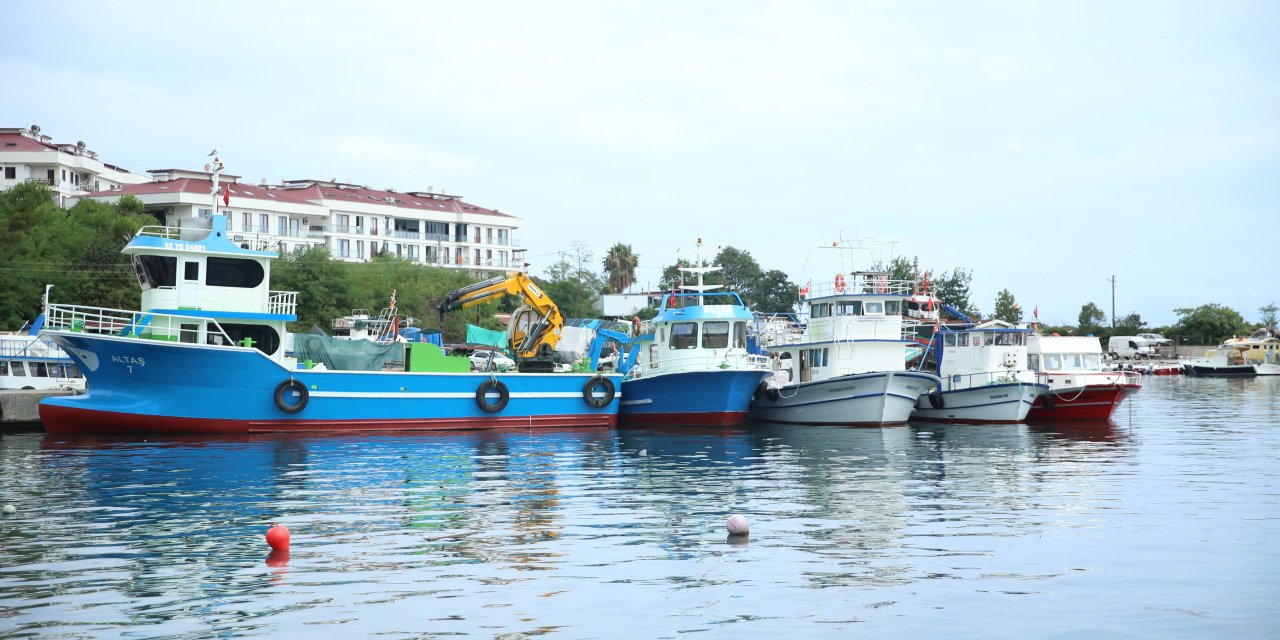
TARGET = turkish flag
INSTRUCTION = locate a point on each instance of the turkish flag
(226, 196)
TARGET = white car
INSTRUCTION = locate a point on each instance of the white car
(1156, 340)
(486, 359)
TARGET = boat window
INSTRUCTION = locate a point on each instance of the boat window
(715, 335)
(190, 270)
(851, 308)
(1052, 362)
(874, 308)
(740, 335)
(4, 367)
(949, 339)
(156, 271)
(234, 272)
(822, 310)
(265, 338)
(1033, 361)
(653, 356)
(825, 356)
(1093, 361)
(684, 335)
(17, 369)
(891, 307)
(1071, 362)
(962, 340)
(38, 370)
(1018, 339)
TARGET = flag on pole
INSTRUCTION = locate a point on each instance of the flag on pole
(226, 196)
(1035, 313)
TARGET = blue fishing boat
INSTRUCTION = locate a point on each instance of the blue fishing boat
(208, 351)
(692, 366)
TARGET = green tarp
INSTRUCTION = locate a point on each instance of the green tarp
(480, 335)
(346, 355)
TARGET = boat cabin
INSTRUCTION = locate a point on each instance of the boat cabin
(991, 352)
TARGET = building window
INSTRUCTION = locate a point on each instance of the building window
(282, 226)
(10, 173)
(264, 223)
(344, 248)
(247, 219)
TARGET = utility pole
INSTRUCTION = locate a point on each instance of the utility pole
(1113, 301)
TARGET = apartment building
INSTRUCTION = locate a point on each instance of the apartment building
(353, 222)
(70, 170)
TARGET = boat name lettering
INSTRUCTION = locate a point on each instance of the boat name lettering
(129, 360)
(912, 387)
(839, 389)
(183, 246)
(998, 396)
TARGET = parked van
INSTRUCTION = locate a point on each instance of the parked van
(1129, 348)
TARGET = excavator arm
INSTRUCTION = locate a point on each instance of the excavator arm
(544, 331)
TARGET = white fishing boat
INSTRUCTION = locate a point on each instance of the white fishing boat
(847, 364)
(1079, 387)
(985, 377)
(28, 361)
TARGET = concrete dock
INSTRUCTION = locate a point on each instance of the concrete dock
(19, 408)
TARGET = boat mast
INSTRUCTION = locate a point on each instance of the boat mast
(216, 173)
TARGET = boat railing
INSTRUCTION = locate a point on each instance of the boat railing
(156, 231)
(134, 324)
(19, 346)
(737, 359)
(979, 379)
(282, 302)
(861, 284)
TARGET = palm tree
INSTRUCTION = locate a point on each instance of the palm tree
(620, 267)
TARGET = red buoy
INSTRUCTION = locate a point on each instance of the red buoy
(278, 537)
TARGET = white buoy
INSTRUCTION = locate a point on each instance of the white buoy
(8, 509)
(737, 525)
(644, 452)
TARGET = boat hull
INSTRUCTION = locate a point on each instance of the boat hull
(718, 397)
(1093, 402)
(991, 404)
(1225, 371)
(162, 387)
(865, 399)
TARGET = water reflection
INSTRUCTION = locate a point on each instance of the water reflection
(519, 533)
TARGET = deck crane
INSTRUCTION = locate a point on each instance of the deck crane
(534, 328)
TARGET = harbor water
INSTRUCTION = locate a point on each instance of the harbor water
(1163, 523)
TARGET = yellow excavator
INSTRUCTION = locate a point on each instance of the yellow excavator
(534, 328)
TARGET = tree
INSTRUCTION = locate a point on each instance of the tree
(572, 286)
(1210, 323)
(900, 268)
(620, 267)
(1006, 308)
(1129, 325)
(953, 289)
(1091, 318)
(1268, 314)
(775, 293)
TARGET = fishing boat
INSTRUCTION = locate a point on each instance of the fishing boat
(208, 351)
(1239, 357)
(985, 377)
(30, 361)
(847, 364)
(692, 366)
(1079, 387)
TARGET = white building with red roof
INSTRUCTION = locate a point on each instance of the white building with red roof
(353, 222)
(70, 170)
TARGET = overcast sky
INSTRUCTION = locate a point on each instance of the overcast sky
(1045, 146)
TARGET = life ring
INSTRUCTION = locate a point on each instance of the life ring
(297, 388)
(936, 401)
(598, 383)
(482, 395)
(839, 283)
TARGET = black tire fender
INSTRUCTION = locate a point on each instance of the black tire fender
(482, 395)
(1047, 400)
(936, 401)
(296, 387)
(589, 391)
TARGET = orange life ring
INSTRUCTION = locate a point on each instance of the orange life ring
(839, 283)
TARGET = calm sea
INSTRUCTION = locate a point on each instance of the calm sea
(1164, 523)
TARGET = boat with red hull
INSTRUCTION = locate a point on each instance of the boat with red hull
(1079, 388)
